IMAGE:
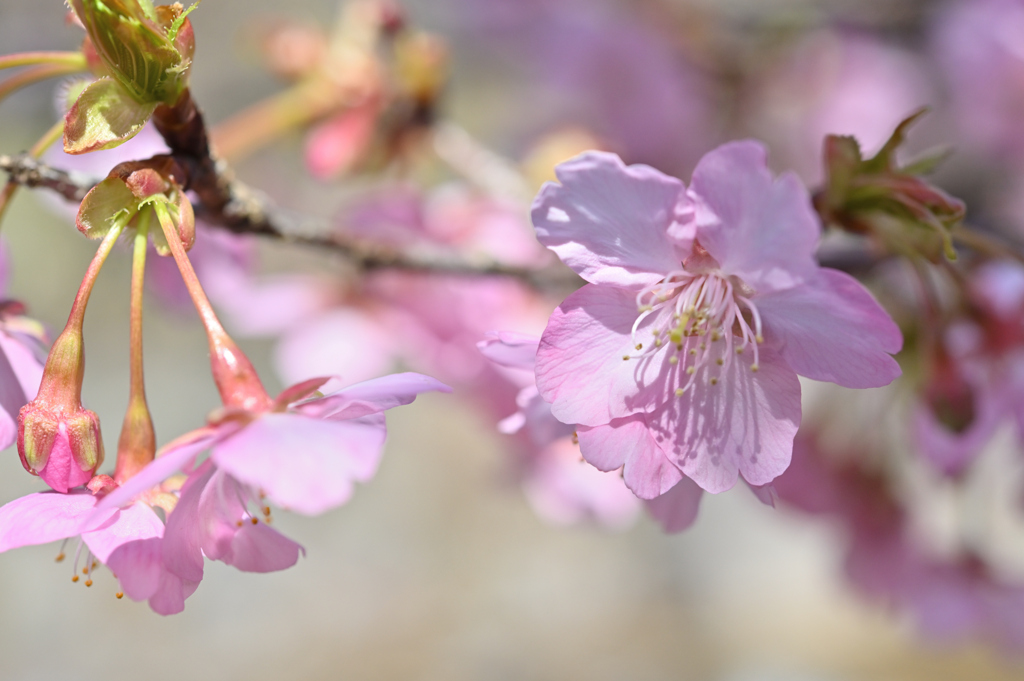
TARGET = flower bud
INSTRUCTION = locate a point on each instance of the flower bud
(64, 449)
(146, 49)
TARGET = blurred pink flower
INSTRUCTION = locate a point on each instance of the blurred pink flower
(127, 540)
(560, 485)
(834, 82)
(950, 599)
(623, 74)
(980, 46)
(22, 355)
(975, 378)
(689, 290)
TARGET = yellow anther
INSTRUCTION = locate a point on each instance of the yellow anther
(74, 578)
(645, 308)
(119, 595)
(88, 582)
(639, 346)
(754, 367)
(690, 370)
(714, 336)
(679, 392)
(719, 361)
(759, 338)
(655, 332)
(714, 381)
(255, 521)
(59, 558)
(739, 351)
(657, 343)
(625, 358)
(673, 359)
(703, 346)
(693, 351)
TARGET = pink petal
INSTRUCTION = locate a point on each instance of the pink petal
(260, 548)
(764, 232)
(371, 397)
(133, 523)
(580, 366)
(743, 425)
(676, 509)
(139, 567)
(171, 593)
(183, 537)
(833, 330)
(610, 222)
(44, 517)
(509, 349)
(170, 459)
(303, 464)
(629, 442)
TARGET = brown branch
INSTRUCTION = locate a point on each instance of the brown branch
(26, 171)
(241, 210)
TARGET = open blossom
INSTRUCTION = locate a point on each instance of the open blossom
(681, 354)
(128, 540)
(560, 486)
(304, 451)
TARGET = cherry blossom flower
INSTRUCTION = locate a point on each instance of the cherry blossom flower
(681, 354)
(303, 451)
(128, 540)
(561, 487)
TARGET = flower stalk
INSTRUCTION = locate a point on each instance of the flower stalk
(137, 444)
(236, 379)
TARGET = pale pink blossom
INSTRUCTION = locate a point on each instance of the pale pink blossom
(304, 453)
(127, 540)
(681, 354)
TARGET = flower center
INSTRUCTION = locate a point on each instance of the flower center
(692, 314)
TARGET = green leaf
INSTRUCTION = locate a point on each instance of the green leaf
(103, 117)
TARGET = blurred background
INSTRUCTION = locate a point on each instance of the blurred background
(440, 569)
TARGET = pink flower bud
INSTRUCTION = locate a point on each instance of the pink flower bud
(64, 449)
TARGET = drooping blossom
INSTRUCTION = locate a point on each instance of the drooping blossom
(303, 452)
(128, 540)
(561, 487)
(681, 354)
(951, 598)
(975, 376)
(833, 83)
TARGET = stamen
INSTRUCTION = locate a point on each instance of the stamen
(119, 595)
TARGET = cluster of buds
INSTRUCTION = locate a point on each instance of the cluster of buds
(903, 213)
